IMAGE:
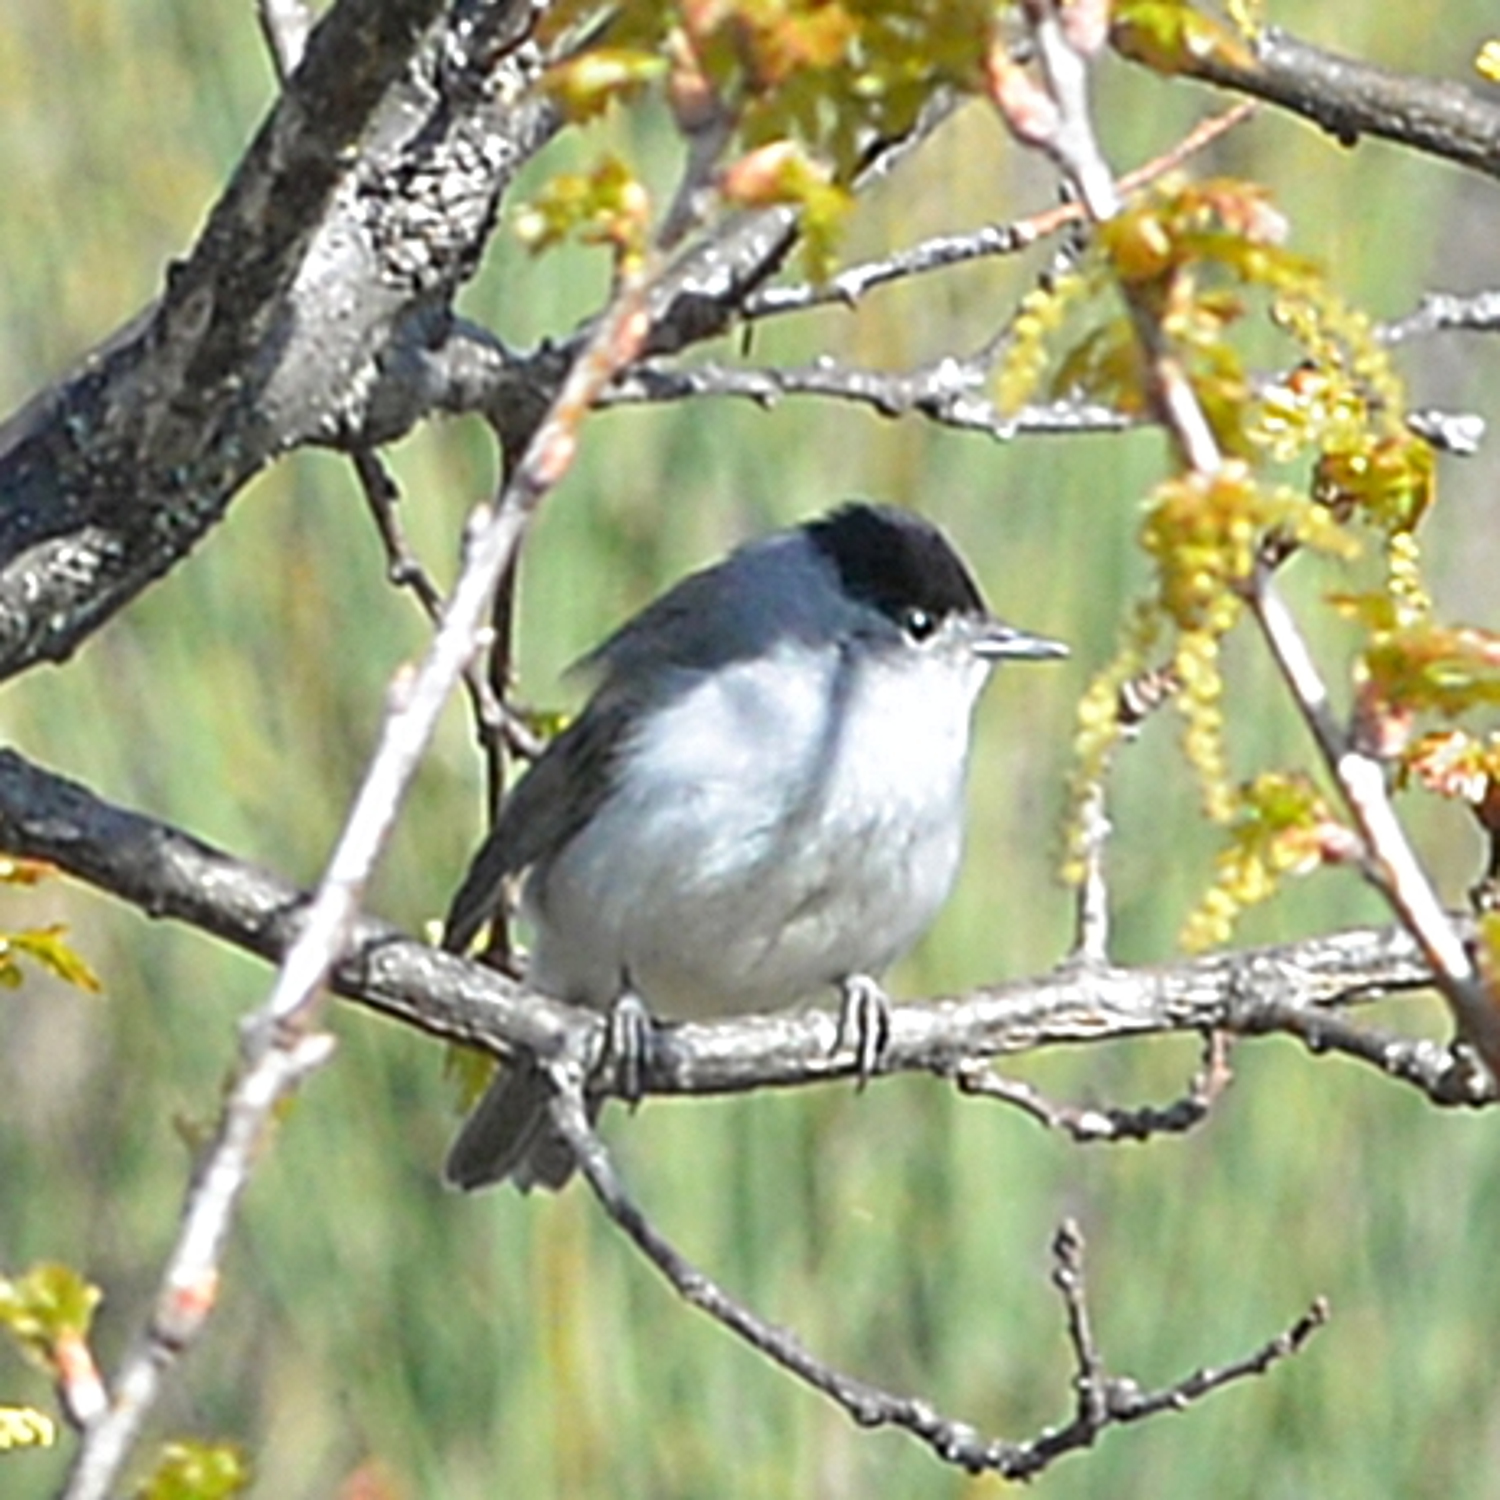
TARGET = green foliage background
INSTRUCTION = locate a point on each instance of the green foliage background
(497, 1346)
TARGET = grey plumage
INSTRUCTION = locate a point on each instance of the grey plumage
(762, 797)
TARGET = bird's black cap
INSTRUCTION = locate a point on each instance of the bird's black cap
(896, 561)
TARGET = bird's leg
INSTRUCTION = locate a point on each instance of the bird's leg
(625, 1043)
(864, 1024)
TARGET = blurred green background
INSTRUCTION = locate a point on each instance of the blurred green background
(496, 1346)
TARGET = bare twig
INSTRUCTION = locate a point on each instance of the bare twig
(941, 252)
(1091, 908)
(1444, 312)
(1457, 432)
(1103, 1401)
(1090, 1125)
(402, 565)
(951, 392)
(1446, 1074)
(1138, 698)
(496, 719)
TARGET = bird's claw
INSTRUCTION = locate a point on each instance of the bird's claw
(625, 1044)
(864, 1025)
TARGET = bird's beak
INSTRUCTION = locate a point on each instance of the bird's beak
(995, 639)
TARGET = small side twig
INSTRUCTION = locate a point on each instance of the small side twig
(1448, 1074)
(1460, 433)
(1103, 1401)
(951, 392)
(1442, 312)
(1110, 1124)
(1137, 700)
(498, 721)
(941, 252)
(1091, 905)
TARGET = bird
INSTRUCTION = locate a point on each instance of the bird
(761, 800)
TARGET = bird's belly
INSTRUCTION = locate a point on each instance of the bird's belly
(771, 835)
(709, 911)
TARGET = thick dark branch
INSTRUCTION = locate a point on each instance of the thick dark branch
(1349, 98)
(362, 203)
(168, 874)
(317, 308)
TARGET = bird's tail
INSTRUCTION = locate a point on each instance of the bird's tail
(510, 1135)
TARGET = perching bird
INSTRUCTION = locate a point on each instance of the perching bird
(763, 797)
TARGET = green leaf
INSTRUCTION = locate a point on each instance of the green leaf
(1434, 668)
(25, 1427)
(46, 948)
(586, 85)
(47, 1304)
(1170, 36)
(197, 1471)
(470, 1070)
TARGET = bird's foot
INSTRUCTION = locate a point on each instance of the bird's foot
(626, 1043)
(864, 1025)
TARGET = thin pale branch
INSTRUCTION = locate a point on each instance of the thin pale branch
(1444, 312)
(1391, 861)
(1069, 138)
(1457, 432)
(281, 1042)
(188, 1287)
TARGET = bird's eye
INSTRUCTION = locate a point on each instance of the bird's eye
(918, 623)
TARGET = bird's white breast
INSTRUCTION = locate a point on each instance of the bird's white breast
(775, 826)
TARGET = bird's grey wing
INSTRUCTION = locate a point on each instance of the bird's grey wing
(552, 801)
